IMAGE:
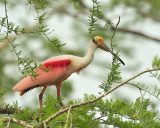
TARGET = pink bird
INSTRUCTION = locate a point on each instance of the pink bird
(61, 67)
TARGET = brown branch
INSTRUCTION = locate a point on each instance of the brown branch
(9, 123)
(6, 111)
(123, 30)
(9, 110)
(69, 113)
(20, 122)
(119, 29)
(61, 111)
(146, 15)
(137, 33)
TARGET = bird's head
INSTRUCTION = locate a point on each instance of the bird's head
(100, 43)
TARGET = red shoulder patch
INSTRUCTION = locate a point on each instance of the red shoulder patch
(57, 64)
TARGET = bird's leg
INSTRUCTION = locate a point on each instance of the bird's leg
(58, 96)
(58, 93)
(41, 96)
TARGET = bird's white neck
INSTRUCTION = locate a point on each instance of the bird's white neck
(87, 59)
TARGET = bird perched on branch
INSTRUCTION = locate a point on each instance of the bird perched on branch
(60, 68)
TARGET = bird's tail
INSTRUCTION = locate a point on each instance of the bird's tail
(23, 92)
(27, 89)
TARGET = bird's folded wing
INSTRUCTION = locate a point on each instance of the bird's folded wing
(50, 72)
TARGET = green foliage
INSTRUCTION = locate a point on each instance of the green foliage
(10, 27)
(8, 106)
(75, 3)
(156, 62)
(2, 92)
(1, 124)
(39, 4)
(50, 106)
(92, 20)
(113, 77)
(25, 114)
(107, 112)
(95, 15)
(25, 65)
(44, 30)
(117, 113)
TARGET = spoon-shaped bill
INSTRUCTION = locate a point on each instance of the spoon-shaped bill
(105, 47)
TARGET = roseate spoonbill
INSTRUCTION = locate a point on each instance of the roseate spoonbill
(61, 67)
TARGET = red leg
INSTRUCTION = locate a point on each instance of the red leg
(58, 93)
(41, 96)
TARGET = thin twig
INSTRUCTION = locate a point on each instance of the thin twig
(68, 116)
(5, 5)
(71, 121)
(144, 90)
(113, 37)
(9, 121)
(114, 33)
(61, 111)
(20, 122)
(154, 75)
(141, 94)
(98, 118)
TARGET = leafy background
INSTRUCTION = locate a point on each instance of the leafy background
(74, 23)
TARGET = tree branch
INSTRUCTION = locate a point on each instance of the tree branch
(65, 109)
(119, 29)
(146, 15)
(20, 122)
(123, 30)
(69, 113)
(9, 110)
(5, 5)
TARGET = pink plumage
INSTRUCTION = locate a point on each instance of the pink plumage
(59, 70)
(57, 73)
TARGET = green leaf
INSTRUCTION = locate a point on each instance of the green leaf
(156, 62)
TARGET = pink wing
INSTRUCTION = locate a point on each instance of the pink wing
(58, 71)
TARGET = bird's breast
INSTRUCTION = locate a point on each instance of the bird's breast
(77, 64)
